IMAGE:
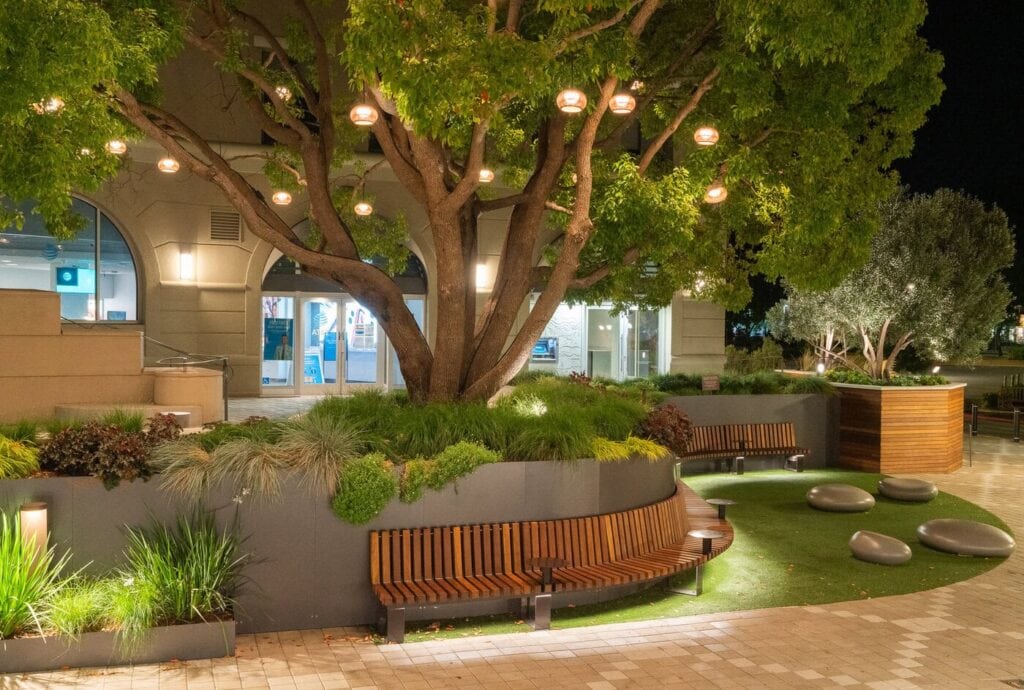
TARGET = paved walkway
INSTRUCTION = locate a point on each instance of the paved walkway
(968, 635)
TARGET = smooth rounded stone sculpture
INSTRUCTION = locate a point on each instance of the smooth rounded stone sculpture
(840, 498)
(879, 548)
(908, 489)
(965, 537)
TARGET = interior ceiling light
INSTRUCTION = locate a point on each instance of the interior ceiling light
(716, 193)
(116, 147)
(705, 136)
(486, 175)
(622, 104)
(281, 198)
(363, 114)
(168, 165)
(571, 101)
(363, 208)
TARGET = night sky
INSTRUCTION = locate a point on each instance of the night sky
(974, 138)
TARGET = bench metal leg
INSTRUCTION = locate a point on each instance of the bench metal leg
(396, 624)
(541, 612)
(797, 462)
(737, 464)
(698, 583)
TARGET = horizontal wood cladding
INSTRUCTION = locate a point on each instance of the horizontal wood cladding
(901, 430)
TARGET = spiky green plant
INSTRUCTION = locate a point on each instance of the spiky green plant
(29, 578)
(254, 465)
(23, 431)
(186, 467)
(318, 446)
(17, 459)
(81, 606)
(646, 448)
(606, 450)
(128, 420)
(192, 570)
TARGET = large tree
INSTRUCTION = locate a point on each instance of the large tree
(813, 100)
(934, 279)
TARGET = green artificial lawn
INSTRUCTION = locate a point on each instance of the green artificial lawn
(785, 554)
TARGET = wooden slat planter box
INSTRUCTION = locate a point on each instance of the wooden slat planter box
(899, 430)
(193, 641)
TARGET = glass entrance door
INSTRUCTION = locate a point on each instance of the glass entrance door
(278, 365)
(320, 360)
(364, 348)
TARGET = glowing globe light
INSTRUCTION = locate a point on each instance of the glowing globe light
(281, 198)
(706, 136)
(116, 147)
(622, 104)
(715, 194)
(363, 115)
(486, 176)
(168, 165)
(283, 92)
(363, 208)
(571, 101)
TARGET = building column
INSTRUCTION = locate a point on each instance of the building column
(698, 336)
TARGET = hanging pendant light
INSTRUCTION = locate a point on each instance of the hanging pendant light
(168, 165)
(49, 106)
(116, 147)
(281, 198)
(486, 176)
(571, 101)
(622, 104)
(706, 136)
(283, 92)
(363, 208)
(716, 193)
(363, 114)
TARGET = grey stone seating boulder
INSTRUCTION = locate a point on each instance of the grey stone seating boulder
(840, 498)
(879, 548)
(965, 537)
(908, 489)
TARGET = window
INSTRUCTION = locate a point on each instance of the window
(93, 273)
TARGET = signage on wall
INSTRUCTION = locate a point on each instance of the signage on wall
(312, 366)
(277, 338)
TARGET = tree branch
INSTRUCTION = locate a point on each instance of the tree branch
(629, 258)
(652, 150)
(597, 27)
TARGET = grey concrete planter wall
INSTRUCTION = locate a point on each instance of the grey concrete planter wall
(311, 569)
(196, 641)
(815, 418)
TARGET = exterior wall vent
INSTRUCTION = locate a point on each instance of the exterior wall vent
(225, 226)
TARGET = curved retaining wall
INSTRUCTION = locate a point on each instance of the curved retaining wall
(815, 418)
(311, 569)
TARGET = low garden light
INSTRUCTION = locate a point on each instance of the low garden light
(116, 147)
(716, 193)
(820, 368)
(486, 176)
(936, 369)
(571, 101)
(622, 104)
(33, 525)
(706, 136)
(281, 198)
(363, 114)
(363, 208)
(168, 165)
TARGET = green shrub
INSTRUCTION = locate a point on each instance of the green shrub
(17, 459)
(678, 384)
(1015, 351)
(606, 450)
(457, 461)
(860, 378)
(646, 448)
(104, 451)
(529, 376)
(187, 572)
(558, 435)
(810, 385)
(130, 421)
(668, 426)
(29, 578)
(414, 479)
(317, 446)
(22, 431)
(366, 485)
(82, 605)
(186, 467)
(256, 429)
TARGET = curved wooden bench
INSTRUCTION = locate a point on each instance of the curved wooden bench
(433, 565)
(734, 442)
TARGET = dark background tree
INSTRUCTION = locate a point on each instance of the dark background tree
(813, 104)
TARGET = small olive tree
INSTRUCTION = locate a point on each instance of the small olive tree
(933, 279)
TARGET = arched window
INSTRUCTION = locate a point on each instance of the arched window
(94, 273)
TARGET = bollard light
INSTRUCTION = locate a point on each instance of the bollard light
(33, 525)
(820, 368)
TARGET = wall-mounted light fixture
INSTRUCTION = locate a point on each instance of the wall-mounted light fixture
(33, 525)
(186, 264)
